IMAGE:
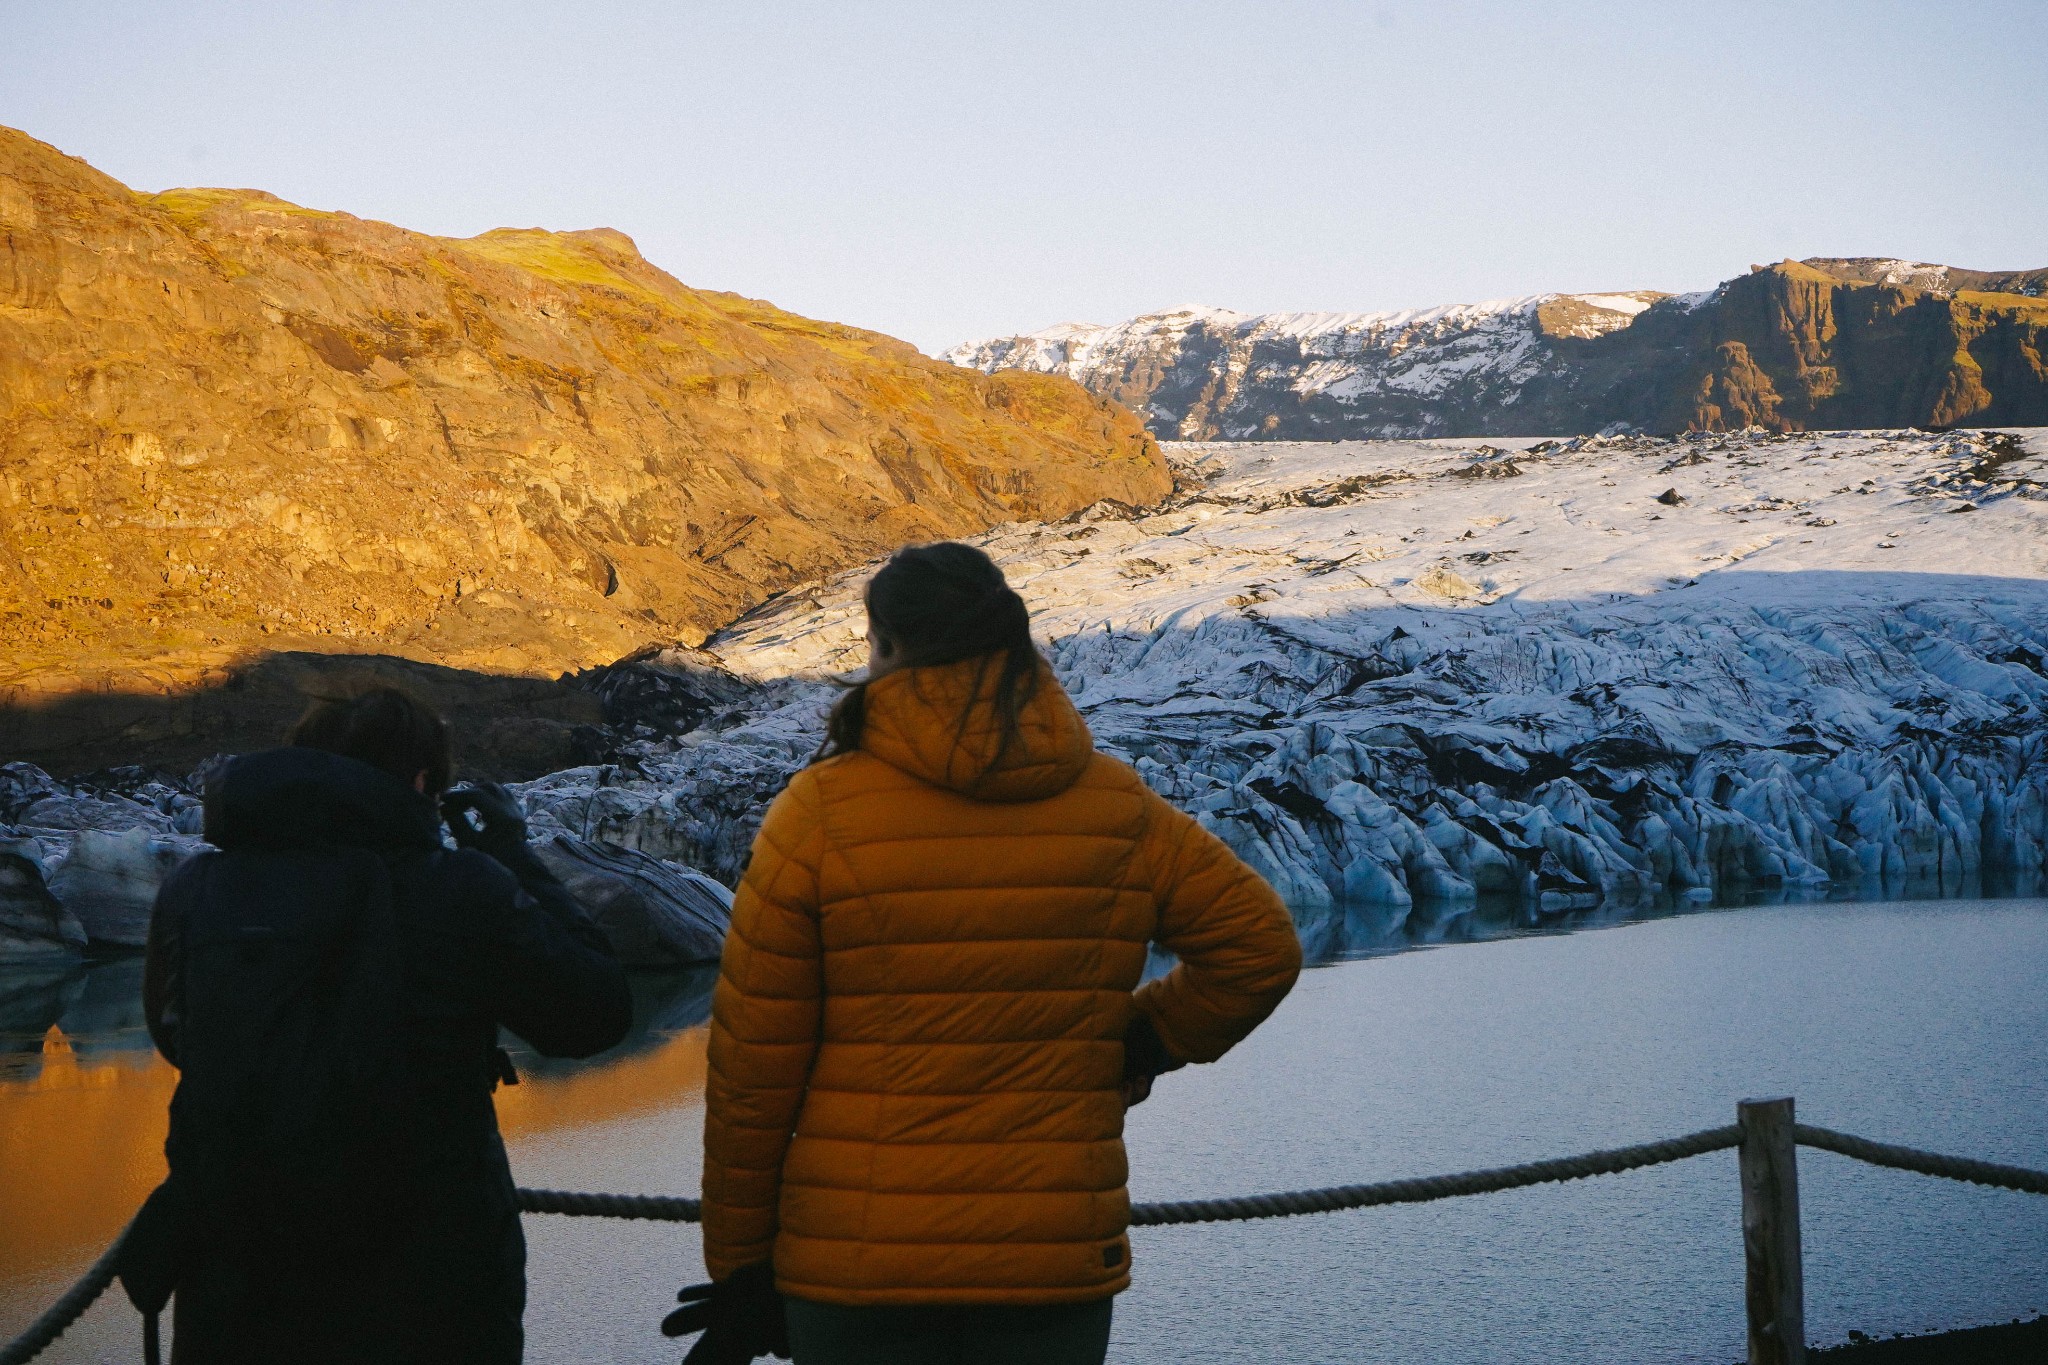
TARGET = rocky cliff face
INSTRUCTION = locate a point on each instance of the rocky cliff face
(1814, 345)
(229, 424)
(1795, 346)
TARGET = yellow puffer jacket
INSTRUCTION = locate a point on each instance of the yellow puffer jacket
(917, 1037)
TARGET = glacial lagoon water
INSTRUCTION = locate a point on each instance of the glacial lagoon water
(1916, 1022)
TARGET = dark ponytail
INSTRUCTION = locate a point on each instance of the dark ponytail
(943, 604)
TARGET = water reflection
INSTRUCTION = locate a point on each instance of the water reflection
(84, 1102)
(1348, 932)
(1343, 933)
(97, 1006)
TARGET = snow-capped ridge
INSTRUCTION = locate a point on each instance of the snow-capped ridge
(1722, 359)
(1215, 359)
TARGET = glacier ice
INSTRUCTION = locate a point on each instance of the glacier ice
(1392, 672)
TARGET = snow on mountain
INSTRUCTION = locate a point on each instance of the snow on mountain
(1199, 370)
(1600, 670)
(1906, 274)
(1820, 344)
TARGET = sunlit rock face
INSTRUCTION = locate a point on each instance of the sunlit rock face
(230, 425)
(1613, 670)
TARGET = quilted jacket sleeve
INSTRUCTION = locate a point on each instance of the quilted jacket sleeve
(1238, 951)
(764, 1031)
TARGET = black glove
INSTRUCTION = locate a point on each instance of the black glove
(486, 816)
(1145, 1058)
(740, 1317)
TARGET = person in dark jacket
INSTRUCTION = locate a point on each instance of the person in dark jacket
(418, 1255)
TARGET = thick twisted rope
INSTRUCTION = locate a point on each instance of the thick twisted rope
(675, 1209)
(60, 1315)
(1926, 1163)
(660, 1207)
(1422, 1188)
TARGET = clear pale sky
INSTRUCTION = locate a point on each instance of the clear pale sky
(949, 171)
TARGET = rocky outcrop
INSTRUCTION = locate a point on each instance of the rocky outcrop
(33, 923)
(1810, 346)
(1797, 346)
(657, 914)
(110, 879)
(231, 425)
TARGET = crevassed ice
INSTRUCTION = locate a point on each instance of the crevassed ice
(1389, 670)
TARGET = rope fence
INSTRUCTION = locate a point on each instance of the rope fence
(1424, 1188)
(57, 1319)
(675, 1209)
(1923, 1163)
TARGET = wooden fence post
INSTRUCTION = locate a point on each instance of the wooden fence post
(1770, 1233)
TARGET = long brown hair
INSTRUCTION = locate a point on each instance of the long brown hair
(942, 604)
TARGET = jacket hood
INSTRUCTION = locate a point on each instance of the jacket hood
(914, 723)
(308, 798)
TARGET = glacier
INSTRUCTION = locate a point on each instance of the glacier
(1615, 672)
(1603, 671)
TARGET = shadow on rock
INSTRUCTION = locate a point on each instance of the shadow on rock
(505, 727)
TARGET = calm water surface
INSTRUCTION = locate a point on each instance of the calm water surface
(1924, 1023)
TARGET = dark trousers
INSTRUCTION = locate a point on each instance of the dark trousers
(949, 1334)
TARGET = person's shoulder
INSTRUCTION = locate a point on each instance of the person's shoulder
(1108, 773)
(190, 868)
(468, 875)
(852, 774)
(186, 878)
(854, 764)
(1117, 797)
(1109, 770)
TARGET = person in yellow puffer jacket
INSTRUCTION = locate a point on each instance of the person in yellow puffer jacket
(928, 1022)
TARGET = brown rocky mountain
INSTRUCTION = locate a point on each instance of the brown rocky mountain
(1917, 275)
(1810, 345)
(1794, 346)
(232, 427)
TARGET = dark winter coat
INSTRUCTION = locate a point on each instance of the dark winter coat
(434, 1268)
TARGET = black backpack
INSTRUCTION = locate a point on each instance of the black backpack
(288, 1147)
